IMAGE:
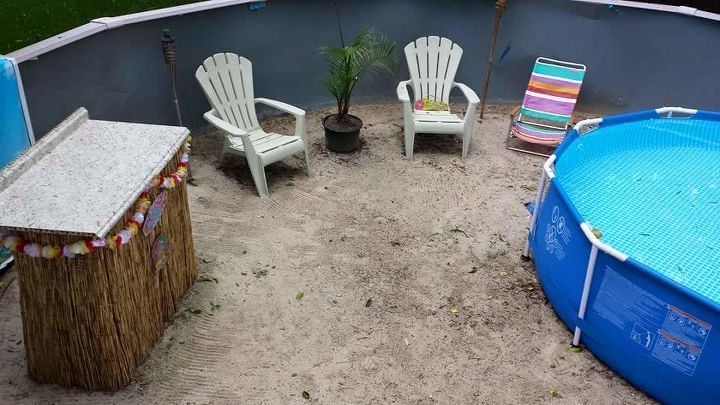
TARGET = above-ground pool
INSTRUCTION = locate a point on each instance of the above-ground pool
(626, 241)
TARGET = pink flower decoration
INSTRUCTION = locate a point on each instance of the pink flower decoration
(419, 105)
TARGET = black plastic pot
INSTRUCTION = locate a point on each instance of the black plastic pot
(343, 140)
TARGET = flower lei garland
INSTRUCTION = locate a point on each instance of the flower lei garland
(122, 237)
(427, 104)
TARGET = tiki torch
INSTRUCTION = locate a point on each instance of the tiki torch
(168, 49)
(499, 9)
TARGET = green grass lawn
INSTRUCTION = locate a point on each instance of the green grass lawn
(23, 22)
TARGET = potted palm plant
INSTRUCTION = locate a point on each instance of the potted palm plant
(367, 55)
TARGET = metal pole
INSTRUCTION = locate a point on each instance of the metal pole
(499, 9)
(533, 220)
(585, 293)
(170, 56)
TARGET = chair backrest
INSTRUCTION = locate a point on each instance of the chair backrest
(433, 62)
(227, 81)
(552, 92)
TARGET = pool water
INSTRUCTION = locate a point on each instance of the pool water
(652, 188)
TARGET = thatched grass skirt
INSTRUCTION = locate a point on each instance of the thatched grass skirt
(88, 322)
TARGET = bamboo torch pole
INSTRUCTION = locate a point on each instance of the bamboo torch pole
(170, 56)
(499, 9)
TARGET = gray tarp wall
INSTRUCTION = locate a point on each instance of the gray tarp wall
(636, 58)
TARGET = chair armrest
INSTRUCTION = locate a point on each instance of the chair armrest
(472, 99)
(404, 97)
(282, 106)
(469, 94)
(220, 124)
(402, 92)
(300, 125)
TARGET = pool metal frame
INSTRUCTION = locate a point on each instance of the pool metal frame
(548, 173)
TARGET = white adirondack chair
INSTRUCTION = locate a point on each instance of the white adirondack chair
(227, 81)
(433, 62)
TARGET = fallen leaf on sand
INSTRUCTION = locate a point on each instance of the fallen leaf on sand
(299, 295)
(454, 308)
(473, 270)
(368, 302)
(306, 395)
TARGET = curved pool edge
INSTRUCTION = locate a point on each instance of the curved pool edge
(625, 313)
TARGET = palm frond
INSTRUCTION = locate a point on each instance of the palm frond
(368, 55)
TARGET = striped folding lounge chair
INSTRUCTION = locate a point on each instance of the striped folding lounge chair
(543, 119)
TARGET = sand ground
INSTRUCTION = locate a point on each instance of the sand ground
(381, 249)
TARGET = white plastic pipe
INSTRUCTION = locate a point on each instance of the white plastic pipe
(548, 167)
(533, 220)
(670, 110)
(584, 123)
(587, 230)
(690, 11)
(107, 23)
(586, 292)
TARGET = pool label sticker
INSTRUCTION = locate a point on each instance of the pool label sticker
(681, 340)
(626, 305)
(557, 234)
(642, 336)
(672, 336)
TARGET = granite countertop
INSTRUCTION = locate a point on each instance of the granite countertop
(84, 175)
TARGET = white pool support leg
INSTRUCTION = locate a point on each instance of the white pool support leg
(585, 292)
(541, 189)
